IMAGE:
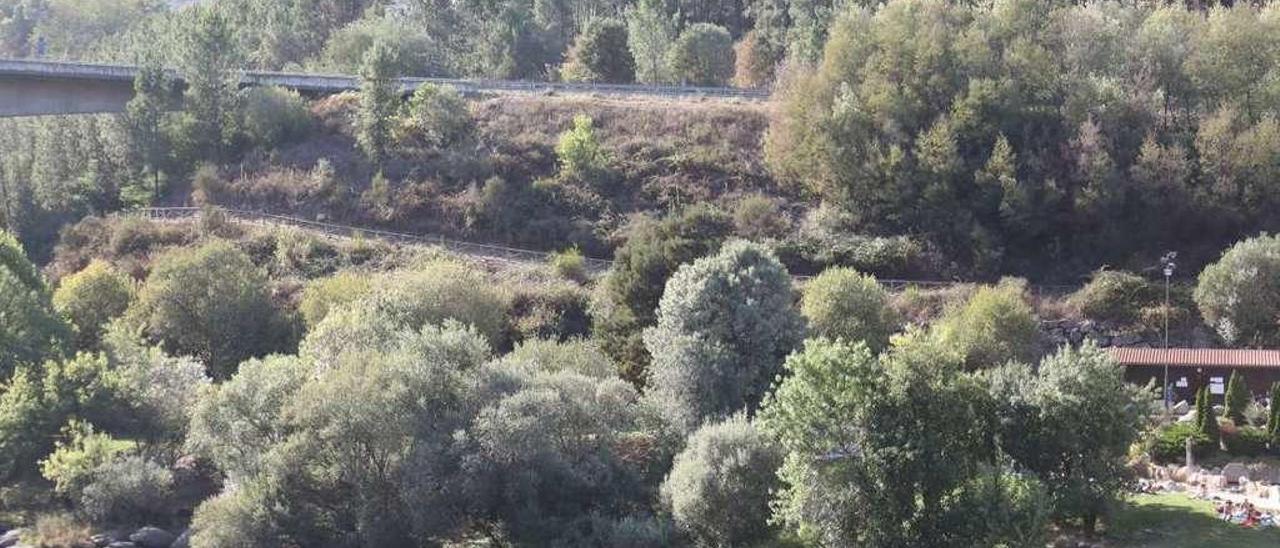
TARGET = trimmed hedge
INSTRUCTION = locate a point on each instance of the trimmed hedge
(1168, 444)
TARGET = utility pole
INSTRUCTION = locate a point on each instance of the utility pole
(1169, 266)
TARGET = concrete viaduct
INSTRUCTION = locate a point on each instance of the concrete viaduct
(37, 87)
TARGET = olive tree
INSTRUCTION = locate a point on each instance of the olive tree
(719, 486)
(1239, 296)
(725, 323)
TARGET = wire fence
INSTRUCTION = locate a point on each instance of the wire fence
(491, 251)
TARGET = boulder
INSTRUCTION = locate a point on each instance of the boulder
(184, 540)
(152, 537)
(1234, 471)
(1264, 473)
(1181, 408)
(1189, 417)
(10, 538)
(122, 544)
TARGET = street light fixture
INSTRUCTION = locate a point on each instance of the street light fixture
(1169, 266)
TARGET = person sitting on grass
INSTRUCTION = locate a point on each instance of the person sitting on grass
(1251, 516)
(1225, 511)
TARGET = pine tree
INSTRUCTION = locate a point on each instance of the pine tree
(378, 102)
(1237, 398)
(1206, 420)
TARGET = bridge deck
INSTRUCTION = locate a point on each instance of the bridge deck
(36, 87)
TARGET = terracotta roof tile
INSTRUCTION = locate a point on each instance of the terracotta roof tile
(1197, 357)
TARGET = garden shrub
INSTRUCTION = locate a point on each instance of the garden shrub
(1168, 443)
(1113, 295)
(1246, 441)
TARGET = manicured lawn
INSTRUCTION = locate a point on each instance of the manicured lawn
(1176, 521)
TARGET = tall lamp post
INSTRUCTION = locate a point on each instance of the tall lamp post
(1169, 266)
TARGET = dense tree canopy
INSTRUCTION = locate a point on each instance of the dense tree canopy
(212, 303)
(725, 323)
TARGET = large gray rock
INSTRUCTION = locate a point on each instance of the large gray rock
(10, 538)
(184, 540)
(122, 544)
(1233, 471)
(1180, 408)
(152, 537)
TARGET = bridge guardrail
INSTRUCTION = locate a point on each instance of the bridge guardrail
(340, 82)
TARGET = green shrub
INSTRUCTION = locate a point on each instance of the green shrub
(1113, 295)
(226, 314)
(325, 294)
(551, 311)
(1246, 441)
(92, 297)
(130, 489)
(437, 116)
(72, 464)
(1168, 443)
(274, 116)
(570, 264)
(301, 253)
(719, 487)
(1237, 398)
(758, 217)
(995, 325)
(579, 151)
(842, 304)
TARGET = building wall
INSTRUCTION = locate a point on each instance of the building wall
(1259, 380)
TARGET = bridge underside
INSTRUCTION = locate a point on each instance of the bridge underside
(36, 97)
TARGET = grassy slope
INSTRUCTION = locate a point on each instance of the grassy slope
(1176, 521)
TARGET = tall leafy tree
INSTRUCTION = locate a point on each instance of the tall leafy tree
(725, 323)
(600, 54)
(650, 32)
(379, 101)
